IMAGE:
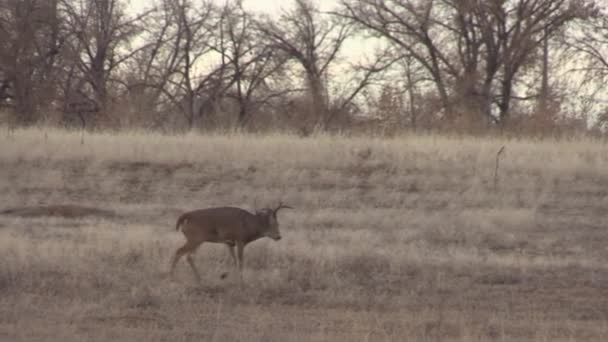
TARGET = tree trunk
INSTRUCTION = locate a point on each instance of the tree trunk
(242, 115)
(319, 111)
(505, 102)
(411, 95)
(24, 101)
(544, 88)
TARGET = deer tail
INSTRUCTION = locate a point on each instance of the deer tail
(180, 220)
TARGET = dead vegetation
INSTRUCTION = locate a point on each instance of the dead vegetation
(393, 239)
(58, 210)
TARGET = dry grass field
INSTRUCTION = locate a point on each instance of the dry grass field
(402, 239)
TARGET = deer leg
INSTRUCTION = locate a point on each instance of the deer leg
(233, 257)
(239, 249)
(186, 248)
(193, 266)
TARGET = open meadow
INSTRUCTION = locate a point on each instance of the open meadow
(400, 239)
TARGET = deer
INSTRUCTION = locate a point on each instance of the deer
(234, 227)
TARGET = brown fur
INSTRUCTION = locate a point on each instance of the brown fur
(227, 225)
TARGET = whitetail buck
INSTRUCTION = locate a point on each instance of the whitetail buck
(227, 225)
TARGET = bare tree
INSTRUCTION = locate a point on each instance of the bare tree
(408, 25)
(30, 39)
(413, 78)
(100, 42)
(472, 50)
(248, 59)
(458, 62)
(149, 72)
(589, 40)
(587, 44)
(181, 66)
(202, 56)
(193, 32)
(314, 40)
(519, 31)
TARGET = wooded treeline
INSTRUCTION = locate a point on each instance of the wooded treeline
(527, 66)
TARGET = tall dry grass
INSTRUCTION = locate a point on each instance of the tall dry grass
(392, 239)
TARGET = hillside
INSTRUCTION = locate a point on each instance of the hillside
(390, 239)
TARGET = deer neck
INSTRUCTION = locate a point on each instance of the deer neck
(257, 229)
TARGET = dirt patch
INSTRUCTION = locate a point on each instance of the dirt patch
(63, 210)
(165, 169)
(131, 320)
